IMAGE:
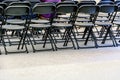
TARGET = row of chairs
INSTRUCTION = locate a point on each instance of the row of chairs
(64, 25)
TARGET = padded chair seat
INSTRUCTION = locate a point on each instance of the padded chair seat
(83, 15)
(117, 15)
(117, 22)
(61, 25)
(102, 19)
(84, 24)
(40, 21)
(82, 19)
(13, 27)
(64, 16)
(117, 19)
(102, 14)
(103, 23)
(40, 25)
(61, 20)
(15, 21)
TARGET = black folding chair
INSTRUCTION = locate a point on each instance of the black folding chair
(92, 11)
(43, 25)
(107, 24)
(1, 31)
(18, 25)
(63, 21)
(116, 21)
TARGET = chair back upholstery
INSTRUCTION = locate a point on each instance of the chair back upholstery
(66, 2)
(106, 3)
(66, 8)
(4, 5)
(88, 9)
(20, 4)
(17, 10)
(107, 8)
(43, 9)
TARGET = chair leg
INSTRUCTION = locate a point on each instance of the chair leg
(45, 36)
(30, 42)
(85, 31)
(94, 38)
(53, 42)
(75, 38)
(66, 37)
(8, 38)
(90, 29)
(63, 37)
(21, 39)
(97, 30)
(3, 42)
(69, 34)
(111, 36)
(72, 40)
(102, 32)
(76, 30)
(105, 37)
(32, 34)
(48, 35)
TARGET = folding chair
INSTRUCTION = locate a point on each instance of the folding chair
(116, 21)
(1, 31)
(107, 24)
(65, 23)
(92, 11)
(43, 25)
(84, 17)
(18, 25)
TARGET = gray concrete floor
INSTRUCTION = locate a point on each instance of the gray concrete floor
(83, 64)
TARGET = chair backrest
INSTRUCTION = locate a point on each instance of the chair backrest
(17, 10)
(1, 11)
(108, 8)
(45, 3)
(33, 1)
(20, 4)
(4, 5)
(43, 9)
(86, 3)
(1, 17)
(66, 8)
(9, 1)
(106, 3)
(65, 3)
(117, 1)
(12, 0)
(91, 10)
(118, 8)
(88, 9)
